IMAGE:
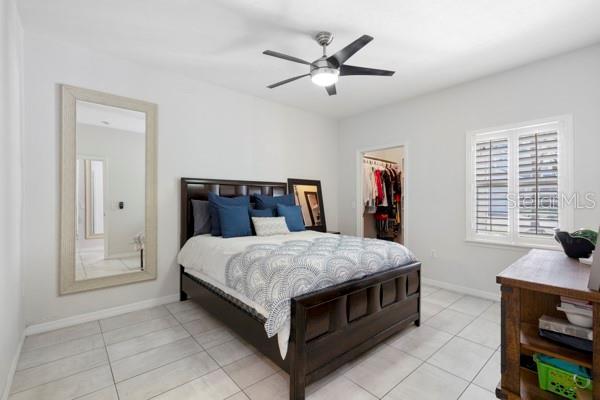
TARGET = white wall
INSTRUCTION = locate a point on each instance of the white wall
(11, 306)
(125, 166)
(433, 127)
(204, 131)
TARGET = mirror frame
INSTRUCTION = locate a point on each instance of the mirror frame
(68, 283)
(310, 182)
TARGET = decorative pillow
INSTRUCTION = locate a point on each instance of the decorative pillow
(268, 226)
(216, 201)
(234, 221)
(293, 217)
(201, 217)
(263, 201)
(267, 212)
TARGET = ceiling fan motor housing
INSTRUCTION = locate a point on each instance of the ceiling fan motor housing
(324, 38)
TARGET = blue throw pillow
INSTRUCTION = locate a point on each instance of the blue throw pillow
(268, 212)
(263, 201)
(234, 221)
(293, 217)
(215, 201)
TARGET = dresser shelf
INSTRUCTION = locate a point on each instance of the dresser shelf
(531, 287)
(533, 342)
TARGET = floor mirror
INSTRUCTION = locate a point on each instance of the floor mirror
(108, 190)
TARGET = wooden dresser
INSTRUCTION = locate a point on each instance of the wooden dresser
(531, 287)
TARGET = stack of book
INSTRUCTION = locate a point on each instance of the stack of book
(577, 331)
(579, 312)
(562, 331)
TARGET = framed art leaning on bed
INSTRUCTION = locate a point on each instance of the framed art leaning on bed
(321, 325)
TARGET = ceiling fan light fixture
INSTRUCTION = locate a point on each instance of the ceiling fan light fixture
(324, 76)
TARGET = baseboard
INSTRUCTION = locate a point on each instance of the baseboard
(13, 369)
(463, 289)
(93, 316)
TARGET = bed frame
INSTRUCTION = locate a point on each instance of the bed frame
(329, 327)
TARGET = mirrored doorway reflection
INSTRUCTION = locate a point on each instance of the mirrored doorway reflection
(110, 188)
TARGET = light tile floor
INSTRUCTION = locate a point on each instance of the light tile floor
(90, 263)
(178, 351)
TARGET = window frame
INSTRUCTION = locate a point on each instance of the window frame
(564, 127)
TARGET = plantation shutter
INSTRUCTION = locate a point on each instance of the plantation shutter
(491, 178)
(538, 183)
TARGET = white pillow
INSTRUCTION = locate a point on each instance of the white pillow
(268, 226)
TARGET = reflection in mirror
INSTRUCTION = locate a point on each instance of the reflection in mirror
(110, 190)
(306, 197)
(307, 194)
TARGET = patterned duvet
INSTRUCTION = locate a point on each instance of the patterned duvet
(271, 274)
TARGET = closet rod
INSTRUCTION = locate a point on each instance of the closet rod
(380, 159)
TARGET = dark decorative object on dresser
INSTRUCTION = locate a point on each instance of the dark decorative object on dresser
(330, 326)
(578, 244)
(307, 194)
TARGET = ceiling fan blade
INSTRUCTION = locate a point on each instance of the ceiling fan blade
(331, 90)
(353, 70)
(285, 57)
(287, 81)
(344, 54)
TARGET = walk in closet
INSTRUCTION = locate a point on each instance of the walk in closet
(383, 194)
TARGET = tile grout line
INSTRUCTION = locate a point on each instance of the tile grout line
(189, 355)
(257, 382)
(150, 348)
(160, 366)
(478, 372)
(453, 336)
(59, 343)
(219, 367)
(95, 391)
(110, 364)
(58, 359)
(131, 312)
(62, 377)
(386, 393)
(235, 336)
(457, 336)
(146, 333)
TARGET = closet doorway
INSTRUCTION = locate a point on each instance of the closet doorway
(382, 193)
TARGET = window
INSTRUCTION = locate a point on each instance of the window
(517, 179)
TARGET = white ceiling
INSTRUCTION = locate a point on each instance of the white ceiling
(429, 43)
(110, 117)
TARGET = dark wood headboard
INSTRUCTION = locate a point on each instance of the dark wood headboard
(198, 189)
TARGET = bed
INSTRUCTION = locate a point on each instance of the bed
(327, 327)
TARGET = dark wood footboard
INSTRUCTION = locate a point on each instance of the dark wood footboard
(334, 325)
(329, 327)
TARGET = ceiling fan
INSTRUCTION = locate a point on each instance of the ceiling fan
(325, 71)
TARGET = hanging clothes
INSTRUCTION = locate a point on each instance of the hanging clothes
(388, 183)
(368, 183)
(382, 196)
(379, 185)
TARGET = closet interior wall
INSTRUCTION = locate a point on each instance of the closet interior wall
(393, 157)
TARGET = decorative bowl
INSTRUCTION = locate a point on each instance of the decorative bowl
(578, 244)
